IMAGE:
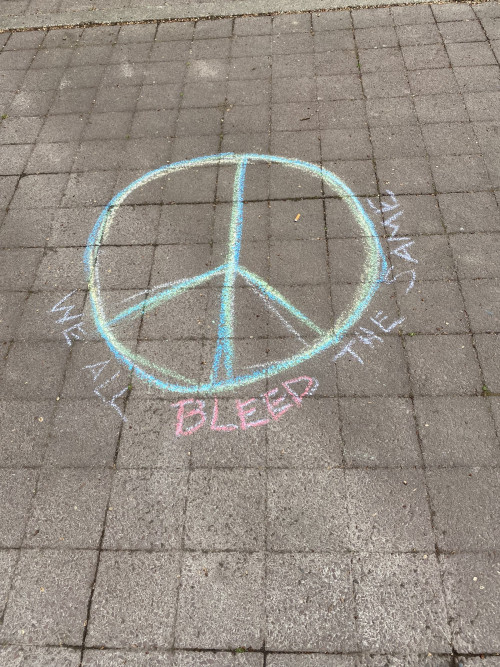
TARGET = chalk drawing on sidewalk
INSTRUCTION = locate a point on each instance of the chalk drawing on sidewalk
(224, 373)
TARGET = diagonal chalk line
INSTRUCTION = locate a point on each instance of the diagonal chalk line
(276, 312)
(274, 295)
(154, 301)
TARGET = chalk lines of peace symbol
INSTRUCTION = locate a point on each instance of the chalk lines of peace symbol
(223, 374)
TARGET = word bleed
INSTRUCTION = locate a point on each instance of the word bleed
(250, 413)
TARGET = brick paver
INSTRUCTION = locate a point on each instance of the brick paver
(361, 526)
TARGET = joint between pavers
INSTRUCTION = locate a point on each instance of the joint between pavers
(188, 11)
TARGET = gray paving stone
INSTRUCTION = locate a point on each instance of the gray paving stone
(433, 255)
(469, 212)
(36, 191)
(66, 38)
(489, 359)
(247, 92)
(225, 510)
(8, 560)
(470, 54)
(412, 15)
(17, 489)
(295, 116)
(310, 660)
(491, 28)
(474, 254)
(217, 659)
(134, 658)
(306, 511)
(379, 84)
(388, 511)
(421, 215)
(452, 139)
(465, 503)
(134, 600)
(457, 431)
(175, 31)
(309, 603)
(11, 305)
(39, 656)
(432, 307)
(20, 130)
(19, 380)
(252, 45)
(429, 56)
(228, 588)
(252, 67)
(309, 438)
(467, 661)
(258, 25)
(440, 108)
(145, 510)
(68, 509)
(462, 31)
(212, 29)
(483, 105)
(84, 434)
(482, 304)
(340, 62)
(62, 128)
(334, 40)
(51, 158)
(443, 364)
(14, 158)
(379, 432)
(337, 87)
(81, 100)
(397, 142)
(418, 34)
(9, 184)
(408, 175)
(377, 376)
(487, 136)
(387, 59)
(25, 40)
(367, 18)
(377, 37)
(63, 267)
(472, 589)
(283, 43)
(49, 597)
(24, 430)
(291, 23)
(291, 259)
(408, 587)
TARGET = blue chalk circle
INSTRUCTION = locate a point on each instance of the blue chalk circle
(223, 375)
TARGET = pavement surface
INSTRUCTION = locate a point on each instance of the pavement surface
(250, 409)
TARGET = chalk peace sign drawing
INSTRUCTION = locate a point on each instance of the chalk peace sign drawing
(224, 375)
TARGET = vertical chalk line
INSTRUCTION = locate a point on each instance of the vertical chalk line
(224, 350)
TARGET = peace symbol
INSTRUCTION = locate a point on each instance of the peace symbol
(223, 375)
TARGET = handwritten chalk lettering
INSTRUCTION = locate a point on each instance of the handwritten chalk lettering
(368, 336)
(347, 349)
(96, 370)
(384, 205)
(378, 321)
(75, 331)
(192, 414)
(402, 250)
(411, 283)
